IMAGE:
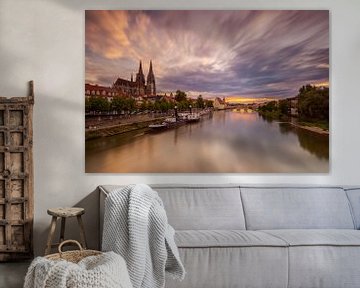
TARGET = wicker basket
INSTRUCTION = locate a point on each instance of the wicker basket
(72, 256)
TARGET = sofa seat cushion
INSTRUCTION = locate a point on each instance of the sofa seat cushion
(324, 258)
(225, 238)
(317, 237)
(235, 267)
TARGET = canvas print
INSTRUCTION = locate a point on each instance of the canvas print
(242, 91)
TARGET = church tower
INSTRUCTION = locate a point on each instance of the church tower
(150, 82)
(140, 81)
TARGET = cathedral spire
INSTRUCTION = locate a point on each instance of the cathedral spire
(150, 76)
(150, 81)
(132, 79)
(150, 69)
(140, 68)
(140, 81)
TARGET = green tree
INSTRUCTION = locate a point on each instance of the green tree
(180, 96)
(143, 106)
(209, 103)
(97, 104)
(150, 105)
(284, 107)
(314, 103)
(200, 102)
(184, 105)
(164, 106)
(121, 103)
(130, 104)
(269, 107)
(157, 106)
(87, 105)
(118, 104)
(270, 110)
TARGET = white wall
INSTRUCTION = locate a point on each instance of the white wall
(43, 40)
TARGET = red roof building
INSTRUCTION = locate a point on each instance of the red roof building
(101, 91)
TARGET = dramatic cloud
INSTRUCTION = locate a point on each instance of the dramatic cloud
(256, 54)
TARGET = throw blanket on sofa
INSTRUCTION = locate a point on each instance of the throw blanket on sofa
(135, 226)
(103, 271)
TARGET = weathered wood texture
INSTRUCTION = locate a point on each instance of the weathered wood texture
(16, 177)
(64, 213)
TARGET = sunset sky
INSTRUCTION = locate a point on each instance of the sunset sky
(233, 54)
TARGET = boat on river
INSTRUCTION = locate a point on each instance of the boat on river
(173, 122)
(168, 123)
(193, 117)
(158, 127)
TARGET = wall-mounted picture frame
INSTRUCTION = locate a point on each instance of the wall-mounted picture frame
(191, 91)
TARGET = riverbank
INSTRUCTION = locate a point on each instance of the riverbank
(106, 131)
(316, 126)
(310, 128)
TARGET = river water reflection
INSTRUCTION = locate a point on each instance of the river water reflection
(225, 141)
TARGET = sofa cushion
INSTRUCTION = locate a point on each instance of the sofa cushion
(191, 208)
(296, 208)
(220, 267)
(354, 198)
(226, 238)
(315, 237)
(322, 258)
(324, 266)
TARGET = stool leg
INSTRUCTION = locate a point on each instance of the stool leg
(51, 235)
(82, 232)
(62, 231)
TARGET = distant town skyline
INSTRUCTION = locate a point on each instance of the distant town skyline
(246, 54)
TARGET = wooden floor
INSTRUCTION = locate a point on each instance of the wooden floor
(12, 274)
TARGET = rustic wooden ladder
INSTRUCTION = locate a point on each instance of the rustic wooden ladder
(16, 177)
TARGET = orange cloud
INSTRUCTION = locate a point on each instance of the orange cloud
(322, 84)
(107, 34)
(244, 100)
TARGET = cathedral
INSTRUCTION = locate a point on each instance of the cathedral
(139, 87)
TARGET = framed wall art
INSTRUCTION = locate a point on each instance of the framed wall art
(242, 91)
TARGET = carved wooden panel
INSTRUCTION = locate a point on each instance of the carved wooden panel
(16, 177)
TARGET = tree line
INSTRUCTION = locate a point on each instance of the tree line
(127, 104)
(183, 102)
(312, 106)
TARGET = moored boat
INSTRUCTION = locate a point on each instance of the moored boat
(170, 120)
(173, 122)
(158, 127)
(194, 117)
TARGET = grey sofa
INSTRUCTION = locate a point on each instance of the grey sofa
(242, 236)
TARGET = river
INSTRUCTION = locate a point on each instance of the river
(225, 142)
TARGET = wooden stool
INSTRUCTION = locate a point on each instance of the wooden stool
(64, 213)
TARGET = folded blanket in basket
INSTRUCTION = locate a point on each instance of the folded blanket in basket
(107, 270)
(136, 227)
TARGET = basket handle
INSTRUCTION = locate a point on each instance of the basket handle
(69, 241)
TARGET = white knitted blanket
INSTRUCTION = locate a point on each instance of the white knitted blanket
(103, 271)
(136, 227)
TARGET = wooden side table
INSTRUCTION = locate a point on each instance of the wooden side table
(64, 213)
